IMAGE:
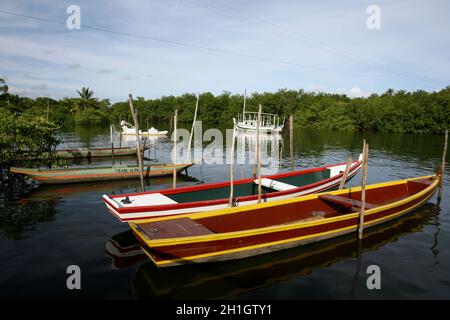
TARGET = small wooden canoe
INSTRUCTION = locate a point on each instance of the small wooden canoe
(213, 196)
(96, 152)
(230, 279)
(241, 232)
(118, 172)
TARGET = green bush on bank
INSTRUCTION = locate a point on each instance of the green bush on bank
(25, 136)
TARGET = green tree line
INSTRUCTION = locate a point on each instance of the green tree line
(391, 111)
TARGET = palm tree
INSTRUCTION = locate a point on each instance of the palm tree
(86, 97)
(3, 86)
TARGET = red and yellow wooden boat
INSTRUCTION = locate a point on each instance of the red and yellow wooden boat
(213, 196)
(239, 232)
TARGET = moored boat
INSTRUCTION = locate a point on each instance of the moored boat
(96, 152)
(117, 172)
(240, 232)
(230, 279)
(213, 196)
(128, 129)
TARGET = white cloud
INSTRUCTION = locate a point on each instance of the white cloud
(356, 92)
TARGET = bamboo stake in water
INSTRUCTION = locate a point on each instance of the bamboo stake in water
(230, 201)
(112, 142)
(291, 140)
(444, 155)
(192, 130)
(363, 189)
(175, 138)
(258, 155)
(138, 143)
(120, 131)
(347, 170)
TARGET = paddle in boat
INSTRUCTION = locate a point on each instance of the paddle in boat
(213, 196)
(239, 232)
(117, 172)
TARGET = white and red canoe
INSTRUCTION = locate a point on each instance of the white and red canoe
(213, 196)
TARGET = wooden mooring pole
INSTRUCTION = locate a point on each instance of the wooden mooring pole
(258, 154)
(291, 140)
(192, 130)
(175, 140)
(345, 175)
(363, 189)
(112, 142)
(138, 140)
(444, 156)
(230, 201)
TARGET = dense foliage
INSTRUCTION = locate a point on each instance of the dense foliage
(25, 137)
(413, 112)
(392, 111)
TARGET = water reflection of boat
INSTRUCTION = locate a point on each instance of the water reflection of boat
(271, 146)
(124, 250)
(50, 191)
(229, 279)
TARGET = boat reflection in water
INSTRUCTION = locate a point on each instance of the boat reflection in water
(48, 192)
(271, 146)
(228, 279)
(124, 250)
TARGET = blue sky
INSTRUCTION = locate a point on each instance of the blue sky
(258, 45)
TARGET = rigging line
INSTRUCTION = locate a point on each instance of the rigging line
(384, 67)
(217, 50)
(371, 63)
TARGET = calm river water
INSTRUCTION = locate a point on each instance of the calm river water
(45, 230)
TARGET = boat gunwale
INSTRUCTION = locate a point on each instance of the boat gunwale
(215, 185)
(284, 227)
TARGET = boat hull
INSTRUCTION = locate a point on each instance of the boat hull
(146, 212)
(255, 241)
(94, 153)
(57, 176)
(267, 129)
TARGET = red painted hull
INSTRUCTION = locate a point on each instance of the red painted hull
(271, 227)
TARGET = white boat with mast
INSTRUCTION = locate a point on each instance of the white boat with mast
(270, 122)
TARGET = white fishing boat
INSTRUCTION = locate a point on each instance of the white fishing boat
(129, 129)
(270, 122)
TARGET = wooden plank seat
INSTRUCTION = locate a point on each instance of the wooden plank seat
(181, 227)
(346, 202)
(273, 184)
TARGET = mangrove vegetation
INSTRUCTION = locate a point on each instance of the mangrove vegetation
(392, 111)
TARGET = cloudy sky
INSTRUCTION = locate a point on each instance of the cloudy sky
(154, 48)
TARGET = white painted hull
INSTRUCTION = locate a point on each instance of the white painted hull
(152, 214)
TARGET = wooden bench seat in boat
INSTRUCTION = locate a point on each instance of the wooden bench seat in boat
(174, 228)
(346, 202)
(273, 184)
